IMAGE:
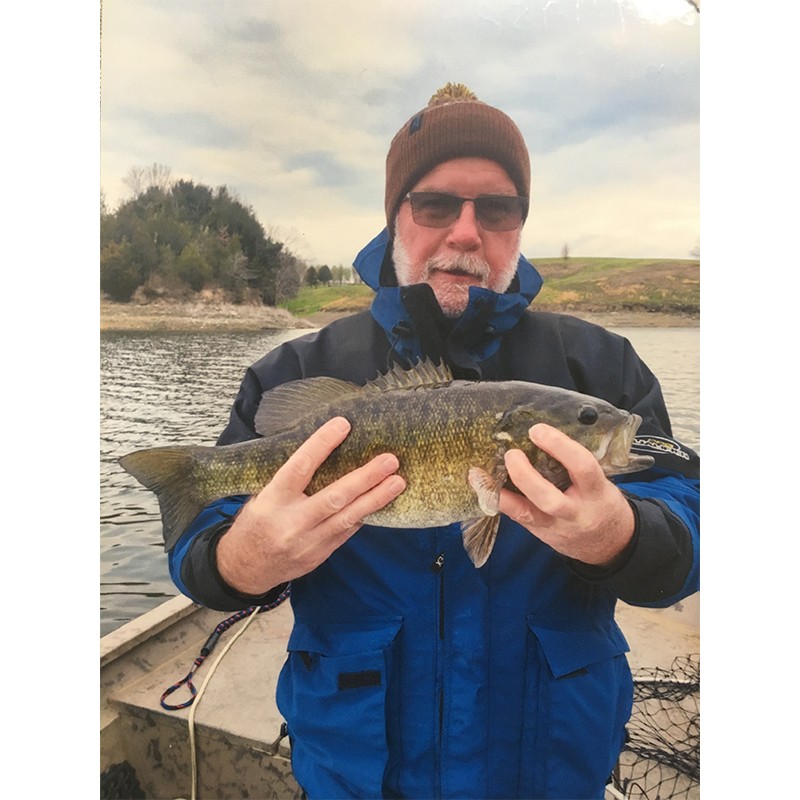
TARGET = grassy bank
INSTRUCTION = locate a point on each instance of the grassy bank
(344, 299)
(664, 286)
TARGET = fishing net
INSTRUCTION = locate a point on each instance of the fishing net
(661, 759)
(119, 782)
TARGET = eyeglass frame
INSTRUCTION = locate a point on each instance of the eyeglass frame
(524, 203)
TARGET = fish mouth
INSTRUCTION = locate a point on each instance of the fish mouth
(614, 449)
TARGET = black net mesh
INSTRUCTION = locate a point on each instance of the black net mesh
(661, 760)
(119, 782)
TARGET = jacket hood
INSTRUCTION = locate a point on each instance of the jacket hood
(473, 337)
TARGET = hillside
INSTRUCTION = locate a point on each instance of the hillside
(620, 284)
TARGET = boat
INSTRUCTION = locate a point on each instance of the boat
(230, 742)
(234, 748)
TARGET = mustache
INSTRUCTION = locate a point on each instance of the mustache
(464, 263)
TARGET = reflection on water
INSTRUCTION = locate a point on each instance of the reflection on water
(161, 389)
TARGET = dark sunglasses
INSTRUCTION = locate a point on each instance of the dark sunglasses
(495, 212)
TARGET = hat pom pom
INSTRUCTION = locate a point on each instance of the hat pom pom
(450, 93)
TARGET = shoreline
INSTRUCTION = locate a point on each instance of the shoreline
(230, 318)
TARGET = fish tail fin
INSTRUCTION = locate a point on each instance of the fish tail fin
(479, 537)
(169, 472)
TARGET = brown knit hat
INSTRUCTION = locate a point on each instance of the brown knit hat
(454, 124)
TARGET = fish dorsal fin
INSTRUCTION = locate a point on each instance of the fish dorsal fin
(424, 374)
(284, 406)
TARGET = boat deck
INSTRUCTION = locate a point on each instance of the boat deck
(236, 721)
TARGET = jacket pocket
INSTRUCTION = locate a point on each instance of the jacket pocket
(578, 698)
(333, 692)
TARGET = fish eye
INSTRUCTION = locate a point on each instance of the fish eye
(587, 415)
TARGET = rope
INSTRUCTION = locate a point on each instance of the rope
(209, 646)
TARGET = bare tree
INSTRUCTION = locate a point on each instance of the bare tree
(158, 175)
(134, 180)
(139, 179)
(289, 276)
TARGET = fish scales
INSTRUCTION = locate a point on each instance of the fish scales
(437, 437)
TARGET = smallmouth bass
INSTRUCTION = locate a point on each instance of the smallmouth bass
(449, 435)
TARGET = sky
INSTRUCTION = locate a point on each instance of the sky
(292, 104)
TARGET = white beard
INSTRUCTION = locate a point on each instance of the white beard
(453, 297)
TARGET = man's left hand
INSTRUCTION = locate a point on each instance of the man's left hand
(590, 521)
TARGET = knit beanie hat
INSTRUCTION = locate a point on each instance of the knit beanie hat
(454, 124)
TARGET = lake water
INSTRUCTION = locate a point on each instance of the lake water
(169, 388)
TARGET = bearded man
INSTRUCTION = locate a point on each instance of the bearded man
(410, 672)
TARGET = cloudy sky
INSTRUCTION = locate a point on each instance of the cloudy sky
(292, 104)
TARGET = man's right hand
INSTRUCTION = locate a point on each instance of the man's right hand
(282, 533)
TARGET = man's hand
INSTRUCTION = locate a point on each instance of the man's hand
(590, 521)
(282, 533)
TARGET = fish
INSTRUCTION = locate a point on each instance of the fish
(449, 435)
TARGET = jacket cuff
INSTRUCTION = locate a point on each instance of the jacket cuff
(250, 600)
(199, 571)
(656, 562)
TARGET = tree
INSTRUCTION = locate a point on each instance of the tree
(193, 268)
(288, 276)
(565, 251)
(324, 275)
(134, 180)
(119, 273)
(159, 176)
(311, 278)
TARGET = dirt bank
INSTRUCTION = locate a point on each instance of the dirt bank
(225, 317)
(195, 317)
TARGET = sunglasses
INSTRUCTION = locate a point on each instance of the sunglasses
(495, 212)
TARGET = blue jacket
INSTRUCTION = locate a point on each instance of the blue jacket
(412, 674)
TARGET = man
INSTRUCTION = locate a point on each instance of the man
(410, 672)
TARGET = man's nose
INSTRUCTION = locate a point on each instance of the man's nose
(464, 233)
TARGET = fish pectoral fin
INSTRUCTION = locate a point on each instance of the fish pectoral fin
(487, 488)
(479, 536)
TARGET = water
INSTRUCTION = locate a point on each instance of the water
(157, 389)
(168, 388)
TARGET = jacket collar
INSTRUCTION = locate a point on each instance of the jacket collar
(415, 325)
